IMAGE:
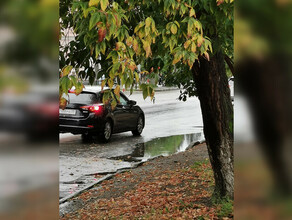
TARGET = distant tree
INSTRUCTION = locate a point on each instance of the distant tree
(190, 37)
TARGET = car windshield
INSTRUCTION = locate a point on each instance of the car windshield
(83, 98)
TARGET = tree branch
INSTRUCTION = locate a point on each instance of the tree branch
(230, 63)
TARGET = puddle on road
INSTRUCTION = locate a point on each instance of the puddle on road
(163, 146)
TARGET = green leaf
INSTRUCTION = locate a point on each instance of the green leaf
(73, 80)
(106, 96)
(103, 47)
(145, 92)
(128, 83)
(171, 45)
(91, 79)
(93, 20)
(104, 4)
(78, 88)
(115, 5)
(66, 70)
(97, 51)
(65, 84)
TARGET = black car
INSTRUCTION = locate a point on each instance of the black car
(87, 115)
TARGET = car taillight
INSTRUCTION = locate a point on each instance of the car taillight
(93, 108)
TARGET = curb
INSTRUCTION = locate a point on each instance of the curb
(191, 145)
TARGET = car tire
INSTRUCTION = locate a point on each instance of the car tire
(139, 126)
(106, 133)
(86, 138)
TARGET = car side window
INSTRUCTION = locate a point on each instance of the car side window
(123, 101)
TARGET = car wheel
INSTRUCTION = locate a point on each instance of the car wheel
(139, 127)
(86, 137)
(107, 131)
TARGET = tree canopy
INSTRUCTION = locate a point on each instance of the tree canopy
(120, 35)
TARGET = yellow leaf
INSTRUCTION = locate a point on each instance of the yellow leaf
(62, 103)
(148, 22)
(117, 90)
(141, 24)
(137, 77)
(207, 56)
(194, 48)
(192, 13)
(187, 44)
(135, 45)
(110, 83)
(173, 29)
(176, 59)
(190, 64)
(132, 66)
(147, 30)
(153, 26)
(200, 40)
(93, 3)
(129, 41)
(103, 84)
(103, 4)
(147, 48)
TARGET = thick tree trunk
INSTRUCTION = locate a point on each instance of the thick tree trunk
(217, 111)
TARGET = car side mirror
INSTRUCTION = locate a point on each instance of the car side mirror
(132, 102)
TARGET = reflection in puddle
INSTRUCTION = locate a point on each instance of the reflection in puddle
(161, 146)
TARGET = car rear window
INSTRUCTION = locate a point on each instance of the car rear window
(83, 98)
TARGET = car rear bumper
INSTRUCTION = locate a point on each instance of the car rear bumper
(80, 126)
(75, 129)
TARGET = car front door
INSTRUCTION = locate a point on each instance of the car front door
(125, 115)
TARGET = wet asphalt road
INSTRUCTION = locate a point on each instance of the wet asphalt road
(166, 117)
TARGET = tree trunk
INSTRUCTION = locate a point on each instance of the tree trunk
(217, 111)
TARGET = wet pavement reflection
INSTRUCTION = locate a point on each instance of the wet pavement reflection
(163, 146)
